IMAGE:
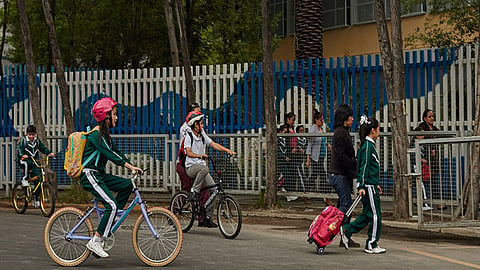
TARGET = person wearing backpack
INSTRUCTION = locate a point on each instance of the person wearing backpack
(94, 178)
(195, 164)
(29, 146)
(180, 168)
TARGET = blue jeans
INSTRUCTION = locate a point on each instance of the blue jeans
(342, 186)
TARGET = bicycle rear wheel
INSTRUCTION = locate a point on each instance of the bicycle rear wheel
(161, 250)
(181, 207)
(229, 217)
(47, 199)
(67, 252)
(19, 198)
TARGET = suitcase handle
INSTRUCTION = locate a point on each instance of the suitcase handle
(354, 204)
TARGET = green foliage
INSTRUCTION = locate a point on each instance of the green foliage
(227, 31)
(76, 194)
(131, 34)
(459, 23)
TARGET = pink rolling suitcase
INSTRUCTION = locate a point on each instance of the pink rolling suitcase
(326, 226)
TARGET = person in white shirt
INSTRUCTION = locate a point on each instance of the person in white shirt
(195, 164)
(194, 107)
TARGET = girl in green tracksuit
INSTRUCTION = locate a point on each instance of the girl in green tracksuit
(99, 149)
(368, 167)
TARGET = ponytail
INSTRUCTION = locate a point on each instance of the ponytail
(366, 126)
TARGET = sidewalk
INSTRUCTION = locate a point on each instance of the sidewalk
(296, 210)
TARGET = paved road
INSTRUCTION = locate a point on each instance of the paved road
(262, 244)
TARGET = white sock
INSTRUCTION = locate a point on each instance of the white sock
(97, 239)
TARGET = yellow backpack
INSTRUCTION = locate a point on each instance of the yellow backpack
(74, 153)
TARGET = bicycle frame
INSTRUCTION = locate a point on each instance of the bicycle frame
(218, 186)
(122, 213)
(42, 176)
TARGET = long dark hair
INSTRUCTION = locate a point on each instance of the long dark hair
(366, 125)
(425, 113)
(105, 126)
(317, 115)
(342, 114)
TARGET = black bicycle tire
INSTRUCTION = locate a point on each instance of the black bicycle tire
(221, 224)
(16, 204)
(185, 222)
(46, 186)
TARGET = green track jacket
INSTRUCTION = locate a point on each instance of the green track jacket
(106, 152)
(31, 148)
(368, 164)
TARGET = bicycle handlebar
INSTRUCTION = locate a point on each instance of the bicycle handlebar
(36, 162)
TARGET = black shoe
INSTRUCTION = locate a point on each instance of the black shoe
(194, 196)
(351, 244)
(208, 222)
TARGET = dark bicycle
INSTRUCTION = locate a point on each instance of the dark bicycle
(229, 215)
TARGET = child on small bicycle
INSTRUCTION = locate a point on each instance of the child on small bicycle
(195, 161)
(27, 147)
(99, 149)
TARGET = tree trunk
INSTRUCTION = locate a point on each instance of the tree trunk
(30, 61)
(172, 38)
(471, 203)
(392, 57)
(185, 54)
(309, 29)
(4, 32)
(62, 82)
(268, 101)
(59, 69)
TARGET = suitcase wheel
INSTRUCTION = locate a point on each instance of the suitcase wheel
(321, 251)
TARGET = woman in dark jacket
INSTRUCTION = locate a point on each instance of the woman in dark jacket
(343, 166)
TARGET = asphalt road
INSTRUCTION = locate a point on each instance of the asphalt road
(264, 243)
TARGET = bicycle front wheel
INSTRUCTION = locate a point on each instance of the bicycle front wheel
(182, 208)
(162, 249)
(19, 198)
(47, 199)
(229, 217)
(62, 250)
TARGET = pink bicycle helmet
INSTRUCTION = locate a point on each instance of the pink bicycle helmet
(102, 107)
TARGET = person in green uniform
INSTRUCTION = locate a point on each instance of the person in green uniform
(27, 147)
(368, 168)
(99, 149)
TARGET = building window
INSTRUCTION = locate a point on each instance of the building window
(363, 11)
(282, 12)
(336, 13)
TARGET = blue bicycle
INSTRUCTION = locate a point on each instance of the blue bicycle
(157, 235)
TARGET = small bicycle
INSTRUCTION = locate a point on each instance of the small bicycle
(21, 195)
(156, 237)
(229, 215)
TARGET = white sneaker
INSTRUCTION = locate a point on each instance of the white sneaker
(343, 238)
(291, 198)
(36, 203)
(426, 207)
(24, 183)
(375, 250)
(96, 247)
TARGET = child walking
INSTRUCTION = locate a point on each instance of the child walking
(368, 167)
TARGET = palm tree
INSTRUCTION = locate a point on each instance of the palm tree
(309, 28)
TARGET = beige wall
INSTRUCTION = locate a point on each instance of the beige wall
(353, 40)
